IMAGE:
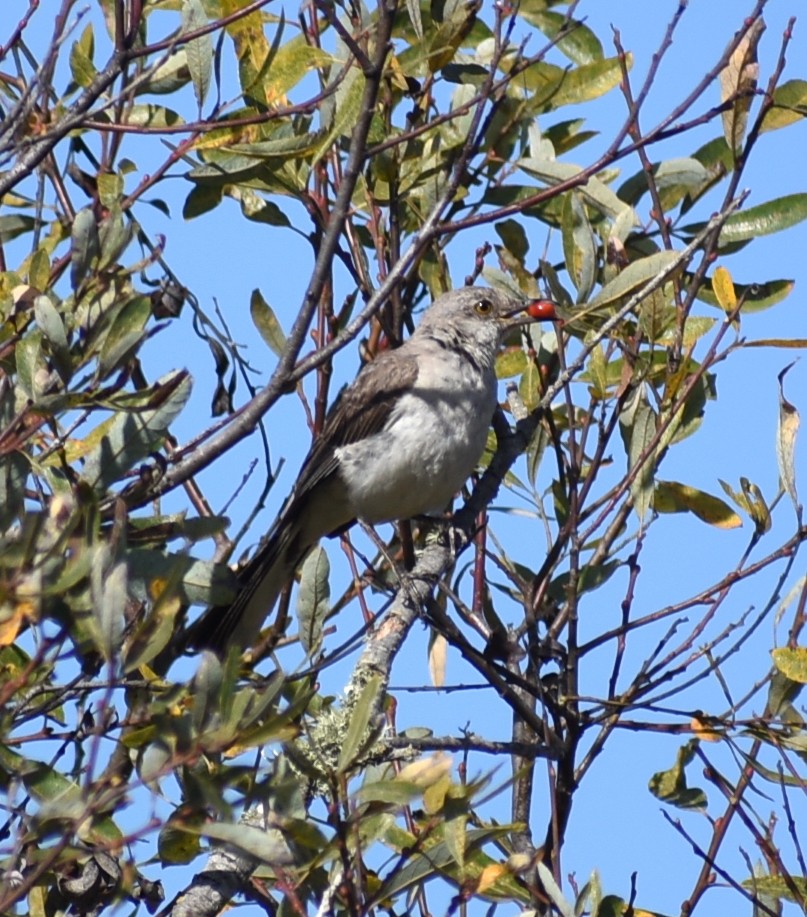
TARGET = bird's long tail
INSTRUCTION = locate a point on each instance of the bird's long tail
(259, 585)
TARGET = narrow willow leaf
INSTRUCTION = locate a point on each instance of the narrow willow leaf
(128, 437)
(764, 219)
(635, 275)
(595, 192)
(290, 65)
(750, 499)
(573, 37)
(109, 610)
(413, 9)
(738, 80)
(579, 245)
(637, 424)
(265, 320)
(786, 433)
(269, 847)
(313, 599)
(673, 497)
(82, 68)
(348, 104)
(438, 655)
(85, 246)
(565, 908)
(359, 730)
(50, 323)
(199, 51)
(754, 296)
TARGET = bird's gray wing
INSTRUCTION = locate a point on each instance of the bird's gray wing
(360, 411)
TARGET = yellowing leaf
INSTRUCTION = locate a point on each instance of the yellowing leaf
(438, 653)
(426, 771)
(10, 627)
(791, 662)
(789, 421)
(673, 497)
(738, 80)
(703, 730)
(723, 288)
(489, 875)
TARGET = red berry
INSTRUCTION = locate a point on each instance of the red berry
(542, 309)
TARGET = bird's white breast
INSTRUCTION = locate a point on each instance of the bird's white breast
(431, 443)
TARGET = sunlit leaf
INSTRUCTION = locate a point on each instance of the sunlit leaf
(738, 80)
(265, 320)
(789, 105)
(791, 662)
(636, 274)
(673, 497)
(787, 430)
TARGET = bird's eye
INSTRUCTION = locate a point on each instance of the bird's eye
(484, 307)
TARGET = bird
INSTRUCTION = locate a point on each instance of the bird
(399, 442)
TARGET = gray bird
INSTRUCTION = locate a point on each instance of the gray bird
(399, 442)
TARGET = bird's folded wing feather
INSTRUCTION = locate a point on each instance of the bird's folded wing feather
(359, 412)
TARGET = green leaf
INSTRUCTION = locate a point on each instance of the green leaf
(199, 50)
(176, 845)
(125, 334)
(635, 275)
(789, 105)
(50, 323)
(85, 245)
(754, 296)
(269, 847)
(348, 101)
(512, 361)
(39, 270)
(553, 87)
(265, 320)
(673, 175)
(762, 220)
(200, 582)
(110, 188)
(579, 245)
(109, 602)
(594, 191)
(359, 731)
(574, 38)
(637, 424)
(791, 662)
(202, 199)
(515, 240)
(673, 497)
(671, 786)
(15, 224)
(82, 68)
(777, 887)
(313, 599)
(129, 437)
(290, 65)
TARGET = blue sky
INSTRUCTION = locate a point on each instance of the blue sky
(616, 826)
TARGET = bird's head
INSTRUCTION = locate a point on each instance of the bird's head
(480, 317)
